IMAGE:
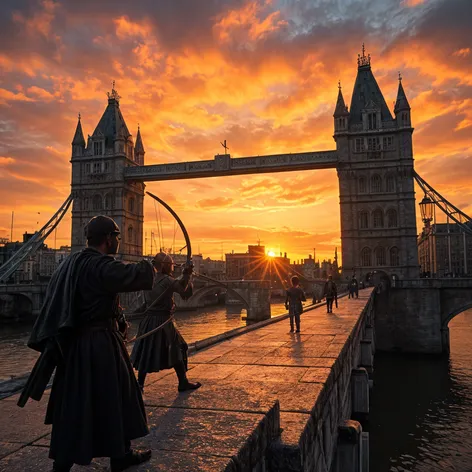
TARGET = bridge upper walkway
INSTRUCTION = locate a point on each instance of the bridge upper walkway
(253, 385)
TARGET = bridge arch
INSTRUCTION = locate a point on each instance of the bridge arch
(448, 318)
(204, 291)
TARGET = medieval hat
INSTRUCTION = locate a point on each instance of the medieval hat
(101, 225)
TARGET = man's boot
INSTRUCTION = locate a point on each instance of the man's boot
(129, 459)
(184, 383)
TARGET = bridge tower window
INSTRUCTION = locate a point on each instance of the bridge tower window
(131, 205)
(378, 218)
(392, 220)
(97, 202)
(372, 120)
(394, 257)
(362, 185)
(130, 235)
(108, 202)
(390, 183)
(376, 184)
(98, 149)
(363, 220)
(380, 256)
(359, 145)
(366, 257)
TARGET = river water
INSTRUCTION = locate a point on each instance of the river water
(421, 408)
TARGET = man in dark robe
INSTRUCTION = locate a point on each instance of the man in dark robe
(95, 406)
(293, 303)
(331, 293)
(166, 348)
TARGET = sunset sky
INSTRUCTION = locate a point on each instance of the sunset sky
(261, 74)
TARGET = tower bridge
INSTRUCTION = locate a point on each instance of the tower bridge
(374, 161)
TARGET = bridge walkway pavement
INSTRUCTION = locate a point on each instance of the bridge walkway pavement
(261, 386)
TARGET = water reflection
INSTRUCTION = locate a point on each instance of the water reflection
(421, 408)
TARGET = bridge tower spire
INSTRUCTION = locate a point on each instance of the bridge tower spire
(376, 183)
(98, 184)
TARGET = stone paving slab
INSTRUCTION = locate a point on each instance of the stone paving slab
(245, 396)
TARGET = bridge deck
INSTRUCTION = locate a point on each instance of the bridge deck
(232, 418)
(223, 165)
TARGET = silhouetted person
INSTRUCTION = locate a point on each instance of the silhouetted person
(95, 406)
(165, 349)
(353, 288)
(331, 293)
(293, 302)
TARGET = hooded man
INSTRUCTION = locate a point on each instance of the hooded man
(166, 348)
(95, 406)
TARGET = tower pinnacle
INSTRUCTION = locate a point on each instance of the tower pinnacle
(363, 61)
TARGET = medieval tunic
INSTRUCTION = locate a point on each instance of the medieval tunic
(164, 349)
(95, 406)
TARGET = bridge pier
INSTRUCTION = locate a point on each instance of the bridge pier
(349, 454)
(257, 295)
(360, 394)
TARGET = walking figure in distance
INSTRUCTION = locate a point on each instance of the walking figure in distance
(353, 287)
(95, 406)
(331, 293)
(165, 349)
(293, 303)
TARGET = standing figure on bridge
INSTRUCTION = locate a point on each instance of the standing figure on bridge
(95, 406)
(331, 294)
(166, 348)
(353, 287)
(293, 302)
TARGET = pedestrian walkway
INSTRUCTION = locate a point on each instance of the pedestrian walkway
(254, 385)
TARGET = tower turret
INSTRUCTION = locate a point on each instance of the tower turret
(78, 143)
(402, 107)
(139, 149)
(341, 114)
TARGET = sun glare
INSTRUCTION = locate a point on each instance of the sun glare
(271, 254)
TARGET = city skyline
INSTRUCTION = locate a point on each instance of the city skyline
(262, 75)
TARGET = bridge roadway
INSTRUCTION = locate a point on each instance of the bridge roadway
(270, 401)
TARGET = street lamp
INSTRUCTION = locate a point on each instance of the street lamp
(426, 207)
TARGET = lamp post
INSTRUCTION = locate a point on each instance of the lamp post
(426, 208)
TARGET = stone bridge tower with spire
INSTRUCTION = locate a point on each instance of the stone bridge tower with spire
(376, 184)
(98, 186)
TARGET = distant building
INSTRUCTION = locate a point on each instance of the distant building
(444, 254)
(252, 265)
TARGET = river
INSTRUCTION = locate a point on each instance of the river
(421, 408)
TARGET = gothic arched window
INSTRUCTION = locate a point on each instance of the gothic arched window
(131, 205)
(363, 220)
(376, 184)
(97, 202)
(390, 183)
(378, 218)
(366, 257)
(392, 220)
(380, 256)
(394, 257)
(362, 185)
(130, 235)
(108, 202)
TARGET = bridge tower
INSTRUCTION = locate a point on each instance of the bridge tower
(98, 186)
(376, 184)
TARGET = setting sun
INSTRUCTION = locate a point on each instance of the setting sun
(271, 254)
